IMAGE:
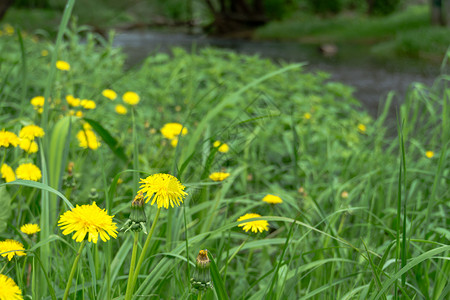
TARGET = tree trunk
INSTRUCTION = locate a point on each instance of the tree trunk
(4, 5)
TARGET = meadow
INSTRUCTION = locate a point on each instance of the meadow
(213, 175)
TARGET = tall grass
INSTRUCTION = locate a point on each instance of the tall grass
(364, 215)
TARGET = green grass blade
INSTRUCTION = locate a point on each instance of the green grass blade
(219, 285)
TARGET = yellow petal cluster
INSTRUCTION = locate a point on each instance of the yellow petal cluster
(88, 104)
(8, 138)
(9, 248)
(88, 139)
(219, 176)
(272, 199)
(165, 189)
(72, 101)
(28, 145)
(224, 148)
(429, 154)
(121, 110)
(28, 171)
(88, 220)
(131, 98)
(62, 65)
(362, 128)
(9, 289)
(7, 173)
(110, 94)
(30, 132)
(172, 130)
(30, 228)
(254, 226)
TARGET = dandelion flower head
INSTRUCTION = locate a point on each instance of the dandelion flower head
(272, 199)
(12, 247)
(219, 176)
(429, 154)
(254, 226)
(37, 101)
(362, 128)
(121, 110)
(28, 171)
(7, 173)
(88, 139)
(72, 101)
(131, 98)
(62, 65)
(28, 146)
(88, 104)
(164, 189)
(172, 130)
(9, 290)
(30, 132)
(30, 229)
(110, 94)
(88, 220)
(307, 116)
(8, 138)
(44, 52)
(224, 148)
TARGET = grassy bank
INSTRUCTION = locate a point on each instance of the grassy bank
(362, 214)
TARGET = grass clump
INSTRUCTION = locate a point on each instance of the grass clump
(349, 222)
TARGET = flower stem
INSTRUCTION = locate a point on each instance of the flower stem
(141, 257)
(132, 265)
(72, 272)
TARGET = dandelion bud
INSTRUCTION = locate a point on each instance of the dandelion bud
(137, 219)
(93, 195)
(201, 279)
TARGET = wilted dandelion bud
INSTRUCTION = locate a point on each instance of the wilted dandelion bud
(137, 219)
(201, 279)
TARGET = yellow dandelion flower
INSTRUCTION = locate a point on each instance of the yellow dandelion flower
(44, 52)
(62, 65)
(362, 128)
(88, 139)
(224, 148)
(272, 199)
(37, 102)
(254, 226)
(344, 194)
(110, 94)
(7, 173)
(172, 130)
(218, 176)
(8, 138)
(28, 171)
(79, 114)
(9, 248)
(30, 132)
(88, 219)
(29, 146)
(429, 154)
(307, 116)
(87, 126)
(174, 142)
(88, 104)
(30, 229)
(121, 110)
(72, 101)
(131, 98)
(165, 189)
(9, 290)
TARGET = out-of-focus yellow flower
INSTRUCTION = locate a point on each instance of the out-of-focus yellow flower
(219, 176)
(88, 139)
(121, 110)
(362, 128)
(165, 189)
(344, 194)
(88, 220)
(29, 146)
(429, 154)
(8, 29)
(31, 131)
(10, 290)
(7, 173)
(37, 101)
(44, 52)
(28, 171)
(174, 142)
(30, 229)
(79, 114)
(224, 148)
(254, 226)
(72, 101)
(131, 98)
(13, 247)
(110, 94)
(62, 65)
(272, 199)
(172, 130)
(8, 138)
(88, 104)
(87, 126)
(307, 116)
